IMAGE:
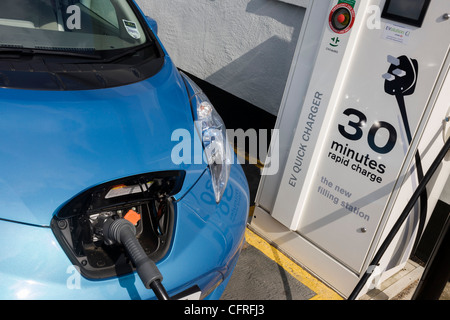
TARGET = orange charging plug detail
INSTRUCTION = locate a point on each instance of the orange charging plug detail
(133, 217)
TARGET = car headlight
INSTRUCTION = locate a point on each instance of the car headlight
(212, 131)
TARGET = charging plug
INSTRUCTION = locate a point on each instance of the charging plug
(123, 232)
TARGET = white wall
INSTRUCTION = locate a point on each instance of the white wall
(242, 46)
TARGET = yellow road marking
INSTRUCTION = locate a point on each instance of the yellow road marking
(322, 291)
(251, 160)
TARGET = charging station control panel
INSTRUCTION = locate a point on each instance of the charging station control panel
(363, 137)
(406, 11)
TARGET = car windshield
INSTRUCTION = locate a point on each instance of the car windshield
(85, 26)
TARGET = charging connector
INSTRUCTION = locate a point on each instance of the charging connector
(123, 232)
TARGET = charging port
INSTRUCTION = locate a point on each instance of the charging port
(144, 200)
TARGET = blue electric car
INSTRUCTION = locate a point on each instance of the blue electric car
(115, 173)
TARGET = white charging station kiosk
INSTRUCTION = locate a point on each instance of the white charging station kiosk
(362, 118)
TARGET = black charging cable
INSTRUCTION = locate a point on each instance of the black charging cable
(123, 232)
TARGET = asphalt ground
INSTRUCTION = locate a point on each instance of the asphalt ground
(263, 272)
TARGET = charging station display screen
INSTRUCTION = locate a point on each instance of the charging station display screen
(411, 12)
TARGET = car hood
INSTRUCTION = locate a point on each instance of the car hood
(55, 144)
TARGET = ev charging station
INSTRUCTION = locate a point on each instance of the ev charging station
(364, 114)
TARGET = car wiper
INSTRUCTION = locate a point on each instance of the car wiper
(40, 51)
(128, 52)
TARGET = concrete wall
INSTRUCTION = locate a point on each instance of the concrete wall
(242, 46)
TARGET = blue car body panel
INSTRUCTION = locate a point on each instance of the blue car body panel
(204, 251)
(56, 144)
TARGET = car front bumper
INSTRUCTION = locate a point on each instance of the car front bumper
(205, 248)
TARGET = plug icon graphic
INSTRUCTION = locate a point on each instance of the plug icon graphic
(400, 81)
